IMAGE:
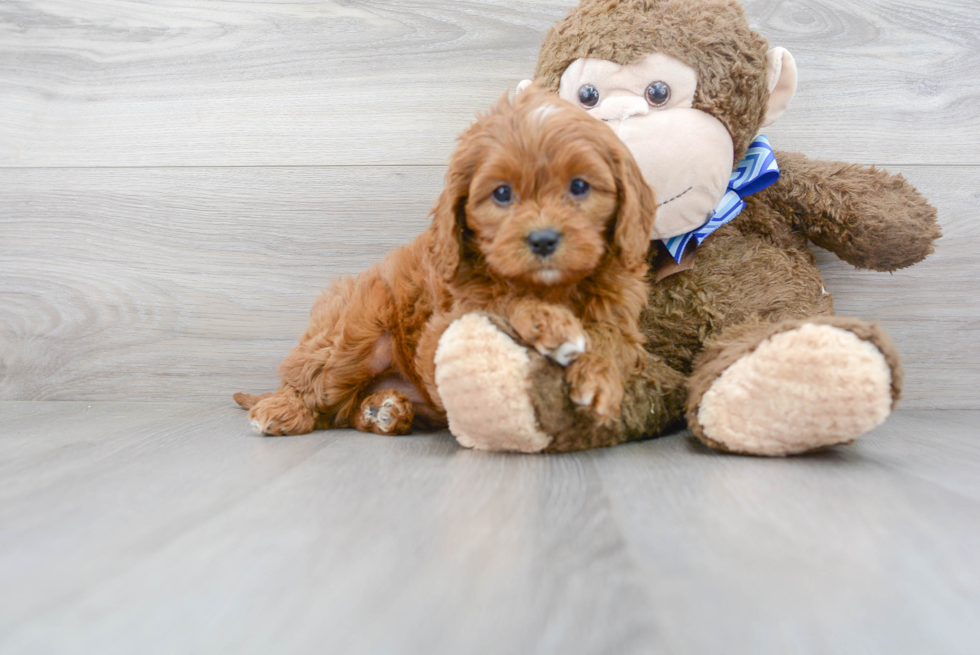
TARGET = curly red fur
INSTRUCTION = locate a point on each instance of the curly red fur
(369, 348)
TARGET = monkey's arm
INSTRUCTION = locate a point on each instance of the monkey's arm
(866, 216)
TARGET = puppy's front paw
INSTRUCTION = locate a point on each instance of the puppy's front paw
(281, 413)
(596, 384)
(552, 330)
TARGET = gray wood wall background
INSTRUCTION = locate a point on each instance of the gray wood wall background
(178, 180)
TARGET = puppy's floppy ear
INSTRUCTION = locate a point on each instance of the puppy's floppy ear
(637, 209)
(449, 216)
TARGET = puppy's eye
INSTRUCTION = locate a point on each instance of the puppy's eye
(579, 188)
(503, 195)
(588, 95)
(658, 93)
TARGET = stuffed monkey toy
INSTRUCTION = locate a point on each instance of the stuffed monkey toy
(742, 340)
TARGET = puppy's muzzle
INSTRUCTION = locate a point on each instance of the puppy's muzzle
(543, 242)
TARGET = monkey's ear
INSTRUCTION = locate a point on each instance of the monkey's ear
(636, 213)
(781, 79)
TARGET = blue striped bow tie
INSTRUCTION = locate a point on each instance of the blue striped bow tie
(754, 173)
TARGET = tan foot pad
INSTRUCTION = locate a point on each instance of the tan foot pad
(807, 388)
(482, 377)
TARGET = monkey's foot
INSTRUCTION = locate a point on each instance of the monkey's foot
(483, 381)
(798, 390)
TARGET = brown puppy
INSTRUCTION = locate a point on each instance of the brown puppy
(545, 220)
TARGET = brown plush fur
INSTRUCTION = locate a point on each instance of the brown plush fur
(755, 276)
(366, 358)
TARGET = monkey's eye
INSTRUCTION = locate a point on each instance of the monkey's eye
(588, 95)
(503, 195)
(658, 93)
(579, 188)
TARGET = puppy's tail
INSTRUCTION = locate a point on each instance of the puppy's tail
(248, 401)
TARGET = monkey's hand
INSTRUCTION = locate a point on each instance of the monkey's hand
(867, 217)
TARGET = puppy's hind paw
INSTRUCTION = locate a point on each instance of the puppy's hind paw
(385, 412)
(281, 414)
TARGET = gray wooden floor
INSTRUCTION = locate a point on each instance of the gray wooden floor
(170, 528)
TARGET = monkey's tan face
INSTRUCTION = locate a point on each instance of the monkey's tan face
(686, 155)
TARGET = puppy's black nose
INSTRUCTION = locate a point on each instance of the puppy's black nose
(543, 242)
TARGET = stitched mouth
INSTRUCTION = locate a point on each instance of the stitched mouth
(676, 197)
